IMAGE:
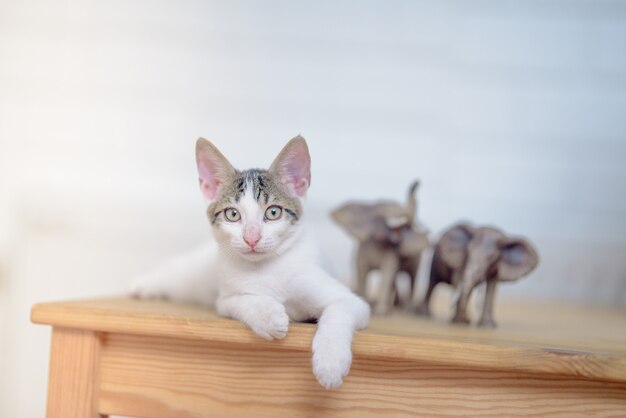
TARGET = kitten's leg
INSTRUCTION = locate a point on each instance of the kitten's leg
(341, 313)
(186, 278)
(265, 316)
(332, 344)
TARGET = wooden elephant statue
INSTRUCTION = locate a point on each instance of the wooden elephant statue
(467, 256)
(390, 240)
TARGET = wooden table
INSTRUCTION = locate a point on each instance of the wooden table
(159, 359)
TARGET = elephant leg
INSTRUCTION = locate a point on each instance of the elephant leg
(396, 299)
(393, 294)
(388, 269)
(362, 269)
(486, 319)
(460, 316)
(424, 307)
(412, 272)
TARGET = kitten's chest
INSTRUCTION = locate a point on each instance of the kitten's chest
(271, 281)
(279, 286)
(297, 311)
(280, 279)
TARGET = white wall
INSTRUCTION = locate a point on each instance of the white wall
(511, 113)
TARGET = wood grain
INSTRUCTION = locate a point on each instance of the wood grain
(158, 359)
(592, 349)
(165, 377)
(73, 378)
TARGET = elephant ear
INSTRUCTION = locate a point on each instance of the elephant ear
(517, 259)
(453, 245)
(356, 218)
(365, 220)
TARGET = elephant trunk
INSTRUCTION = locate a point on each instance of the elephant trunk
(411, 204)
(474, 273)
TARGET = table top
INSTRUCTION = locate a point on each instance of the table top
(531, 337)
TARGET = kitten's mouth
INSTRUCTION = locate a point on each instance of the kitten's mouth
(253, 252)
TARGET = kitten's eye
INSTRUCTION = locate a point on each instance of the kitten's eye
(273, 213)
(232, 215)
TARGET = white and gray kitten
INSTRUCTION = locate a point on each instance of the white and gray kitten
(264, 269)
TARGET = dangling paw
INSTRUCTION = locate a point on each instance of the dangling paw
(331, 361)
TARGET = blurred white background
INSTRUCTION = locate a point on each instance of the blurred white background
(510, 112)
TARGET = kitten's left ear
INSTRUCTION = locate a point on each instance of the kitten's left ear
(293, 166)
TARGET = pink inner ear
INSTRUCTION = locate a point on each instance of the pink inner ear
(300, 187)
(209, 183)
(209, 188)
(296, 171)
(212, 172)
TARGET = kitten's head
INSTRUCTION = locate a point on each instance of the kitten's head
(255, 213)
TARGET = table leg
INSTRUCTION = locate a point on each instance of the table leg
(73, 378)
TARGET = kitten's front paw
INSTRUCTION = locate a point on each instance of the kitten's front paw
(270, 321)
(331, 361)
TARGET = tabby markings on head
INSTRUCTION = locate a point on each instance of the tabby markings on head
(266, 189)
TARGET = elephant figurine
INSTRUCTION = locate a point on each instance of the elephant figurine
(467, 256)
(389, 239)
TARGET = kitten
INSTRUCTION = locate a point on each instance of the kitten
(263, 269)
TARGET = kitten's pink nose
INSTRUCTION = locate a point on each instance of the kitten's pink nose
(252, 236)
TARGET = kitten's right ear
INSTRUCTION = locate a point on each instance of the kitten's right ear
(213, 168)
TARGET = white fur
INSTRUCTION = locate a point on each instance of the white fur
(285, 282)
(265, 272)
